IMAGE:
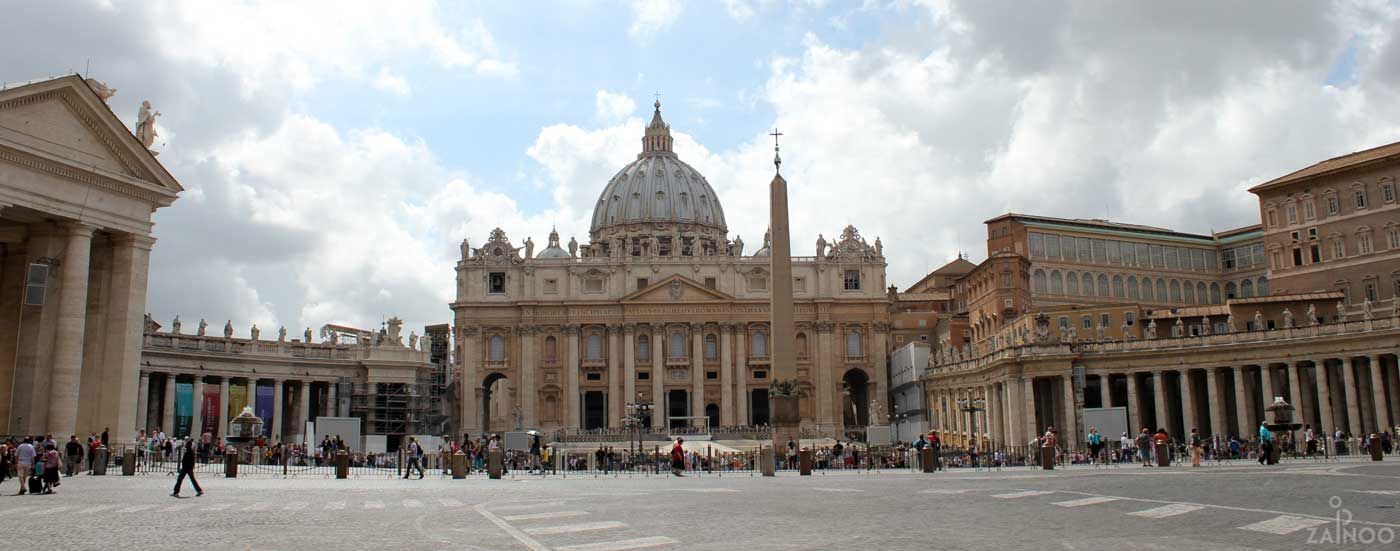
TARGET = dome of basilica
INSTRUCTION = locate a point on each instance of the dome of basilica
(658, 189)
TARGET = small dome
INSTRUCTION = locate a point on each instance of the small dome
(553, 252)
(657, 188)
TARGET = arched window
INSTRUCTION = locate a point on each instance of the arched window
(1103, 286)
(711, 348)
(1230, 291)
(1247, 288)
(595, 347)
(644, 348)
(1263, 287)
(1072, 283)
(1132, 287)
(853, 348)
(802, 344)
(1057, 283)
(551, 349)
(1188, 293)
(497, 348)
(1215, 294)
(1201, 295)
(1038, 281)
(1118, 291)
(1147, 288)
(760, 345)
(1161, 290)
(677, 347)
(1088, 285)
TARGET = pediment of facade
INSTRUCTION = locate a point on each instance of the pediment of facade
(676, 288)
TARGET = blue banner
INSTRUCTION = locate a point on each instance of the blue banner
(184, 409)
(263, 408)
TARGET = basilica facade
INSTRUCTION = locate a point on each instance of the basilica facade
(661, 307)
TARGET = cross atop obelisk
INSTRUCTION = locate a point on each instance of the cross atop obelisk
(777, 159)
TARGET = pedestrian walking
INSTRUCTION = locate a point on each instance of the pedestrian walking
(74, 451)
(24, 461)
(678, 457)
(1266, 444)
(187, 470)
(1144, 447)
(52, 465)
(415, 456)
(1095, 441)
(1195, 448)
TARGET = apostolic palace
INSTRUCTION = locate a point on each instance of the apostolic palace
(660, 316)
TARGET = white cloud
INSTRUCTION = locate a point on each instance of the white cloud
(608, 106)
(392, 83)
(653, 16)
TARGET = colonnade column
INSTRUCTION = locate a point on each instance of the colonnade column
(1028, 389)
(1246, 422)
(1218, 421)
(697, 370)
(252, 394)
(528, 389)
(1294, 389)
(1159, 393)
(143, 395)
(1069, 432)
(658, 378)
(67, 364)
(471, 380)
(1104, 394)
(629, 365)
(615, 400)
(304, 409)
(571, 397)
(1188, 404)
(333, 401)
(826, 387)
(726, 375)
(1135, 420)
(197, 415)
(125, 323)
(1349, 388)
(277, 402)
(222, 428)
(1324, 397)
(741, 341)
(1266, 387)
(167, 419)
(1378, 393)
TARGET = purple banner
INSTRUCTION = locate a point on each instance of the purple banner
(263, 408)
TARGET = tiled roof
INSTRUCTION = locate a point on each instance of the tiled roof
(1334, 164)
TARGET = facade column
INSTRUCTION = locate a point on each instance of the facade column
(1324, 399)
(197, 414)
(571, 395)
(470, 360)
(1246, 422)
(1349, 387)
(333, 402)
(1028, 389)
(615, 376)
(1294, 390)
(1218, 421)
(1378, 393)
(528, 389)
(1266, 386)
(741, 341)
(1135, 419)
(1188, 404)
(658, 378)
(697, 370)
(277, 410)
(827, 415)
(1105, 396)
(629, 365)
(67, 367)
(222, 428)
(167, 418)
(304, 410)
(726, 375)
(993, 415)
(143, 395)
(125, 326)
(1159, 392)
(1069, 432)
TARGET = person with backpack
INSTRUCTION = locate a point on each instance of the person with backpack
(1195, 448)
(1095, 441)
(1144, 447)
(415, 456)
(1266, 444)
(187, 470)
(52, 464)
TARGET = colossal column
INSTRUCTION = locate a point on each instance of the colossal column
(1324, 398)
(658, 378)
(197, 417)
(1349, 387)
(1242, 408)
(67, 364)
(167, 419)
(697, 370)
(222, 427)
(571, 397)
(143, 392)
(1218, 422)
(741, 382)
(470, 382)
(126, 323)
(726, 374)
(1378, 393)
(278, 400)
(629, 365)
(528, 389)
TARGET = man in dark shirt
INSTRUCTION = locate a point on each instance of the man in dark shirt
(74, 451)
(187, 469)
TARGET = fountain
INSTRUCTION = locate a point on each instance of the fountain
(1280, 418)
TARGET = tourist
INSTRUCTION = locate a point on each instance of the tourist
(415, 457)
(791, 454)
(1095, 441)
(24, 459)
(678, 457)
(1266, 441)
(1311, 440)
(187, 470)
(52, 465)
(1195, 448)
(1144, 447)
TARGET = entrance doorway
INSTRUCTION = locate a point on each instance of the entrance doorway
(495, 398)
(758, 406)
(855, 387)
(595, 410)
(712, 411)
(678, 405)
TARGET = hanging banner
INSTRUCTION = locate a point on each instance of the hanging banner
(210, 412)
(237, 398)
(184, 409)
(263, 408)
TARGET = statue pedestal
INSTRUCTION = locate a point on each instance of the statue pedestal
(786, 420)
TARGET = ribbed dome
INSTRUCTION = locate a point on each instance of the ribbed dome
(657, 188)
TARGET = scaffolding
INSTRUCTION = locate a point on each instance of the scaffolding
(395, 410)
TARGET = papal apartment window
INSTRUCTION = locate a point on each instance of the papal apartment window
(1339, 248)
(642, 283)
(1297, 256)
(1392, 237)
(1272, 217)
(1388, 193)
(1129, 317)
(1333, 205)
(1370, 290)
(1086, 322)
(1316, 253)
(1359, 198)
(1104, 320)
(710, 283)
(1064, 323)
(1290, 213)
(1363, 243)
(496, 283)
(1309, 211)
(851, 281)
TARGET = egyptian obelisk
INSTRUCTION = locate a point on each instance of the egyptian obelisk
(785, 417)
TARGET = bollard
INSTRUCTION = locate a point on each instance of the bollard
(765, 461)
(1164, 455)
(342, 464)
(804, 462)
(129, 462)
(494, 464)
(459, 466)
(99, 461)
(230, 462)
(1047, 458)
(1376, 453)
(926, 461)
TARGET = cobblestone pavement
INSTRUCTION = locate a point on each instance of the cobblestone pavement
(1242, 506)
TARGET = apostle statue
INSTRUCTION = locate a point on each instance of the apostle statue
(413, 340)
(1230, 323)
(821, 246)
(529, 247)
(228, 329)
(466, 249)
(1287, 318)
(1152, 329)
(308, 335)
(573, 248)
(255, 332)
(1258, 321)
(100, 88)
(1101, 330)
(738, 245)
(879, 248)
(1341, 311)
(175, 325)
(1205, 326)
(146, 125)
(282, 334)
(1180, 329)
(203, 325)
(1312, 315)
(1123, 331)
(1366, 309)
(1071, 334)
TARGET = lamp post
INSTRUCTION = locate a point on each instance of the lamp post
(971, 407)
(636, 411)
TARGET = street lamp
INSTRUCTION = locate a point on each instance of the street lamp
(971, 407)
(636, 411)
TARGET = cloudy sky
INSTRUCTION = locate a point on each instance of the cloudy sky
(334, 153)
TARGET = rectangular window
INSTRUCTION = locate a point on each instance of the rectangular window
(1297, 257)
(1172, 261)
(1143, 258)
(1370, 290)
(1052, 247)
(1064, 323)
(1086, 322)
(1227, 259)
(1316, 253)
(1104, 320)
(1359, 198)
(758, 283)
(799, 284)
(496, 283)
(1290, 214)
(1114, 256)
(712, 375)
(1392, 238)
(1388, 193)
(1037, 246)
(1363, 243)
(642, 283)
(710, 283)
(851, 281)
(1129, 258)
(1100, 251)
(1333, 205)
(1157, 258)
(1212, 261)
(36, 284)
(760, 374)
(1309, 211)
(1272, 217)
(595, 376)
(643, 375)
(1086, 253)
(1129, 317)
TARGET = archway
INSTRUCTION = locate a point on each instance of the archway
(497, 386)
(856, 403)
(759, 406)
(712, 411)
